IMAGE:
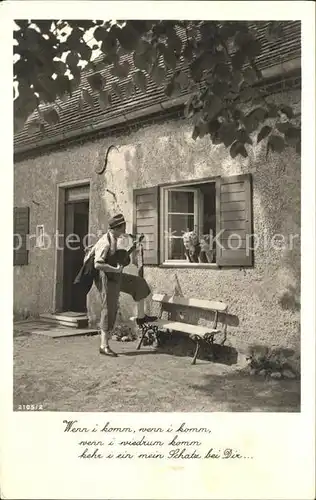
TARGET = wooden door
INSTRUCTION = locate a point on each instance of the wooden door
(76, 228)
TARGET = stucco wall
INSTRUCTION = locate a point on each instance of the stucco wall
(265, 298)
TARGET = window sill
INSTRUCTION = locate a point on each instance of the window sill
(188, 265)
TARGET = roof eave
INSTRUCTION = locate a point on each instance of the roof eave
(267, 74)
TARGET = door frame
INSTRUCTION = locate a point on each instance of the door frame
(58, 288)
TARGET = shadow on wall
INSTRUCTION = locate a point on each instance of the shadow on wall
(280, 197)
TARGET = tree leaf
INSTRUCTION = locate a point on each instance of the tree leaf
(87, 97)
(140, 80)
(227, 133)
(243, 38)
(51, 116)
(188, 52)
(259, 113)
(197, 117)
(238, 60)
(129, 89)
(140, 26)
(72, 59)
(142, 61)
(33, 126)
(272, 110)
(120, 70)
(195, 133)
(274, 30)
(189, 108)
(109, 43)
(174, 41)
(116, 89)
(250, 75)
(287, 110)
(276, 143)
(172, 88)
(85, 51)
(142, 46)
(236, 80)
(213, 127)
(169, 56)
(242, 151)
(158, 74)
(128, 37)
(203, 130)
(213, 106)
(282, 126)
(247, 93)
(252, 49)
(196, 70)
(183, 80)
(96, 81)
(243, 137)
(222, 71)
(60, 67)
(125, 69)
(238, 148)
(104, 99)
(264, 132)
(292, 135)
(220, 88)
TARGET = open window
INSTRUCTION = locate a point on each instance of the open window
(196, 223)
(185, 211)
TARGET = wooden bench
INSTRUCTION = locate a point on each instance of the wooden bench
(196, 332)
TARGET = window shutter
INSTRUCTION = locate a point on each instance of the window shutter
(21, 223)
(234, 221)
(146, 203)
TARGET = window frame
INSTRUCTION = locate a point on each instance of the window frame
(163, 215)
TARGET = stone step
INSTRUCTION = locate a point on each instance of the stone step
(53, 330)
(64, 319)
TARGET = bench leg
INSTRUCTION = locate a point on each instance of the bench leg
(196, 352)
(144, 330)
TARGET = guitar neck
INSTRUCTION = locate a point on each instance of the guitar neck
(133, 247)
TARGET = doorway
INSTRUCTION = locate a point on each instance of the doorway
(76, 228)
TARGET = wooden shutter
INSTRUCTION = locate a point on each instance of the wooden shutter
(146, 203)
(234, 221)
(21, 223)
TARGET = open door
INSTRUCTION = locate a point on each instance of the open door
(76, 229)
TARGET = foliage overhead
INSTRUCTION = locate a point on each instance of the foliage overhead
(214, 62)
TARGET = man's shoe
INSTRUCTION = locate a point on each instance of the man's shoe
(146, 319)
(107, 352)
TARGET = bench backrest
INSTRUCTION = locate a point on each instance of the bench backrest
(207, 305)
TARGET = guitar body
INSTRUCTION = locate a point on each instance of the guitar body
(121, 257)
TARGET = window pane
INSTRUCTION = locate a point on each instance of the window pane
(180, 201)
(176, 249)
(179, 224)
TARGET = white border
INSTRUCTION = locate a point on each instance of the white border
(36, 459)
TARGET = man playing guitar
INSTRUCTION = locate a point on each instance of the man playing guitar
(111, 280)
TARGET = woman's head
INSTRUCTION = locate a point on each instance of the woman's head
(190, 240)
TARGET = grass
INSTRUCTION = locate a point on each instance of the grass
(69, 374)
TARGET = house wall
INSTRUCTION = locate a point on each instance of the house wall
(265, 298)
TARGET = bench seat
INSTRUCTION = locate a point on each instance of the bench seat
(184, 327)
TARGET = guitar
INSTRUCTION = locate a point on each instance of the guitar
(121, 256)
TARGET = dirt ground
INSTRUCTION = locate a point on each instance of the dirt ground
(69, 374)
